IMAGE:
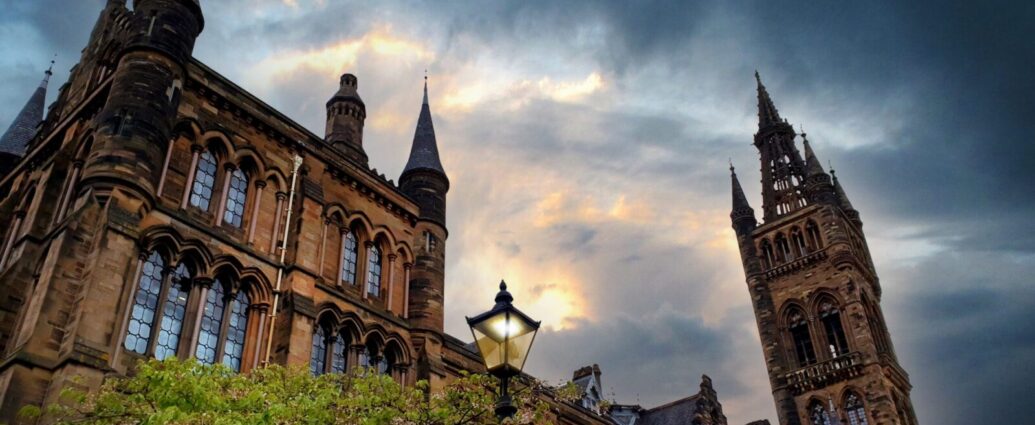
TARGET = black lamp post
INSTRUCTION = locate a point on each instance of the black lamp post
(504, 336)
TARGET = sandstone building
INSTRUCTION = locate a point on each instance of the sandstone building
(159, 210)
(815, 290)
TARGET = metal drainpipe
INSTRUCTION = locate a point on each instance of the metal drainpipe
(283, 252)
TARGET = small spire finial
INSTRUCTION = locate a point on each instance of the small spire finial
(425, 86)
(503, 285)
(732, 168)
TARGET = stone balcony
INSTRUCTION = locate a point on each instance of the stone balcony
(825, 373)
(796, 264)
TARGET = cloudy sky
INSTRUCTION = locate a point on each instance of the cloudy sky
(587, 143)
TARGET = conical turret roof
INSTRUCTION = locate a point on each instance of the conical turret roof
(812, 165)
(424, 152)
(740, 201)
(23, 128)
(842, 197)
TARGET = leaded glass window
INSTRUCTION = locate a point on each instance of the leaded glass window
(173, 312)
(818, 414)
(211, 324)
(235, 198)
(338, 355)
(374, 271)
(318, 359)
(233, 348)
(348, 259)
(855, 410)
(364, 357)
(145, 305)
(204, 181)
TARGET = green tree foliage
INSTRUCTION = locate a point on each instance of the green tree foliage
(186, 392)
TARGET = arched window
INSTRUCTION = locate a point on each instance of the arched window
(204, 181)
(374, 270)
(798, 240)
(348, 258)
(767, 254)
(783, 249)
(145, 305)
(338, 356)
(318, 359)
(830, 315)
(855, 410)
(370, 355)
(173, 311)
(818, 414)
(211, 324)
(236, 197)
(233, 348)
(798, 326)
(812, 230)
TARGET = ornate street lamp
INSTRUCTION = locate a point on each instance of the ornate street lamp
(504, 336)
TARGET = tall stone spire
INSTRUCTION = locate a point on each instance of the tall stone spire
(742, 215)
(23, 128)
(424, 152)
(783, 169)
(767, 113)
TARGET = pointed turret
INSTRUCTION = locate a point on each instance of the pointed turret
(424, 153)
(767, 113)
(817, 181)
(812, 165)
(425, 182)
(23, 128)
(742, 215)
(843, 202)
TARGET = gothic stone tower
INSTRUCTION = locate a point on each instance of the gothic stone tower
(424, 180)
(815, 290)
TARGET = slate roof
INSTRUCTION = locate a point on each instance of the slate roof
(678, 412)
(424, 153)
(23, 128)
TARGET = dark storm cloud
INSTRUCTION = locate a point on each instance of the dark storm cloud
(967, 322)
(634, 351)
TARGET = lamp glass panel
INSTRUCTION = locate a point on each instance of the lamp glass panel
(504, 340)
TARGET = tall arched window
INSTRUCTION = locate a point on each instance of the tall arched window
(812, 231)
(338, 356)
(204, 181)
(173, 311)
(374, 270)
(767, 254)
(783, 249)
(799, 328)
(145, 304)
(830, 315)
(798, 241)
(211, 324)
(855, 410)
(818, 413)
(233, 348)
(236, 196)
(348, 258)
(319, 356)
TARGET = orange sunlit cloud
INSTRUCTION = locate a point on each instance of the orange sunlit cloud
(331, 60)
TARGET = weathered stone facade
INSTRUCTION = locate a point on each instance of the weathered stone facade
(815, 291)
